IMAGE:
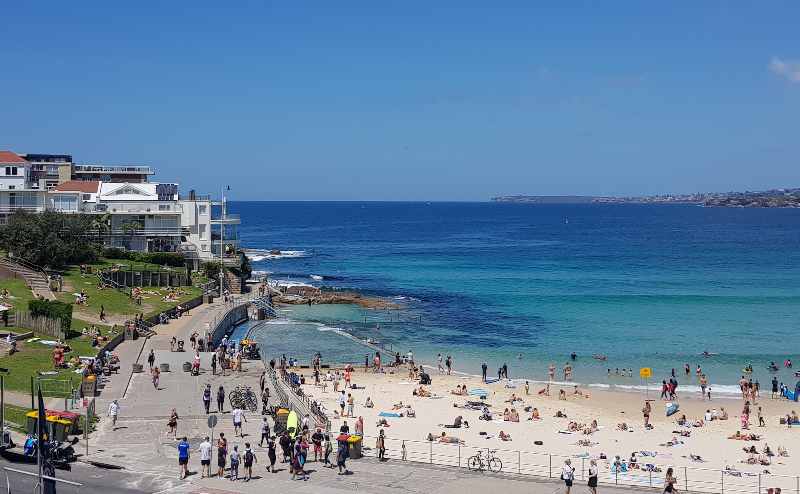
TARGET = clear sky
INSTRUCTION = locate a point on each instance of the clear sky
(381, 100)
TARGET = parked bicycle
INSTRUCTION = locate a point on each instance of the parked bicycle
(489, 462)
(243, 397)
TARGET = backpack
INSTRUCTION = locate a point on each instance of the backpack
(248, 457)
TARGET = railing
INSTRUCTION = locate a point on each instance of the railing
(31, 208)
(544, 465)
(196, 197)
(293, 395)
(148, 207)
(44, 277)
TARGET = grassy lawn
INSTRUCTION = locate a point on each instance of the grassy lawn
(116, 301)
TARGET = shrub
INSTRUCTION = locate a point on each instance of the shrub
(52, 309)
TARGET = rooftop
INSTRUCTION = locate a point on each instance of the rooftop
(137, 169)
(9, 157)
(78, 186)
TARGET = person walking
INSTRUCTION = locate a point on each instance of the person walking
(220, 399)
(173, 424)
(207, 398)
(264, 432)
(351, 405)
(342, 454)
(380, 445)
(646, 414)
(156, 375)
(238, 416)
(593, 471)
(222, 453)
(249, 459)
(328, 449)
(568, 475)
(214, 364)
(316, 439)
(183, 458)
(271, 454)
(113, 411)
(151, 358)
(205, 457)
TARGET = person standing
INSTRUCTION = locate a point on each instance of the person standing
(234, 473)
(342, 402)
(568, 475)
(222, 453)
(646, 413)
(380, 445)
(214, 364)
(328, 449)
(341, 457)
(439, 361)
(113, 411)
(351, 405)
(205, 458)
(183, 458)
(207, 398)
(669, 482)
(449, 364)
(249, 459)
(593, 476)
(220, 399)
(316, 440)
(484, 368)
(238, 416)
(151, 358)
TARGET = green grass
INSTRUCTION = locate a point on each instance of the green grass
(116, 301)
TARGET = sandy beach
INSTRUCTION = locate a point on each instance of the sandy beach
(710, 442)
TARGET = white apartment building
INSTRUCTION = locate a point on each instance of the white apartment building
(16, 190)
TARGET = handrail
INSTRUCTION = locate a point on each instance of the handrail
(547, 465)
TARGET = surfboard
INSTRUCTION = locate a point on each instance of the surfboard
(292, 423)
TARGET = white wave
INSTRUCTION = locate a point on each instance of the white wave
(257, 255)
(317, 277)
(405, 297)
(288, 284)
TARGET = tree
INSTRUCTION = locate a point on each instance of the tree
(49, 239)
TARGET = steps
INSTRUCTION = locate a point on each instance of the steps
(36, 280)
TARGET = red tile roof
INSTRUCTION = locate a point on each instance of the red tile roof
(78, 186)
(9, 157)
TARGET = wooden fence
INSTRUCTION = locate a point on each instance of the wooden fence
(148, 278)
(38, 324)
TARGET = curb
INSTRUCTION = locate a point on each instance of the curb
(101, 464)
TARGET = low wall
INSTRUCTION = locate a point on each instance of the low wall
(228, 320)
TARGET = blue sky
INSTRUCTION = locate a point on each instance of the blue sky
(412, 100)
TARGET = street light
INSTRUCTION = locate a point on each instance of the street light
(3, 373)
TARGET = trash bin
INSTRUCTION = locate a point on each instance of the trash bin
(137, 368)
(30, 421)
(71, 417)
(355, 442)
(281, 416)
(187, 367)
(164, 367)
(57, 427)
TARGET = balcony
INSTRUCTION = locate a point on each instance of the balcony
(230, 219)
(196, 197)
(146, 207)
(122, 169)
(30, 208)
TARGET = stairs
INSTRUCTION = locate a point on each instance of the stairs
(34, 277)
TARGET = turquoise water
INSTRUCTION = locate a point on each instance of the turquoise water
(529, 284)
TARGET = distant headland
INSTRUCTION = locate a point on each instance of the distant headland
(775, 198)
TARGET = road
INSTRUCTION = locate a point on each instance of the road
(93, 479)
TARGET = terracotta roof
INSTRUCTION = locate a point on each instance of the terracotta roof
(78, 186)
(9, 157)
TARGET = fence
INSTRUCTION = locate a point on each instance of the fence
(546, 465)
(147, 278)
(39, 324)
(293, 396)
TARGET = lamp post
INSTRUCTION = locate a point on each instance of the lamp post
(3, 373)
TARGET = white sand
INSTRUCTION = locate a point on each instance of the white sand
(608, 408)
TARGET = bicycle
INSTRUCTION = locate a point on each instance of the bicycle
(243, 397)
(481, 463)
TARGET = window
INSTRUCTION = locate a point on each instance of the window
(163, 207)
(12, 187)
(203, 235)
(202, 209)
(65, 202)
(11, 171)
(87, 197)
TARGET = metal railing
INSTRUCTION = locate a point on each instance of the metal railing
(649, 474)
(293, 395)
(112, 169)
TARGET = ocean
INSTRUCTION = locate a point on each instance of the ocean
(526, 285)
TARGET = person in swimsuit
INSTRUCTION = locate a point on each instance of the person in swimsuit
(669, 482)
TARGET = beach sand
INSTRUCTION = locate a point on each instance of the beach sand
(609, 408)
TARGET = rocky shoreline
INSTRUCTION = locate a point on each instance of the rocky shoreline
(302, 295)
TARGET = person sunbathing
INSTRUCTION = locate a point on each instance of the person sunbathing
(573, 426)
(382, 422)
(738, 436)
(622, 426)
(458, 391)
(545, 391)
(513, 415)
(559, 414)
(444, 438)
(506, 415)
(398, 406)
(504, 436)
(591, 429)
(723, 414)
(562, 395)
(410, 412)
(513, 399)
(535, 414)
(422, 392)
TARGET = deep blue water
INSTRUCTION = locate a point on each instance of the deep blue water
(645, 285)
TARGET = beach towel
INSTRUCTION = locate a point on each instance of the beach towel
(478, 392)
(389, 414)
(490, 380)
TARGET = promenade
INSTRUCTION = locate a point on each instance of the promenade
(141, 444)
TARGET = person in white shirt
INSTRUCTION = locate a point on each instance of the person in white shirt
(238, 416)
(113, 411)
(568, 474)
(205, 458)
